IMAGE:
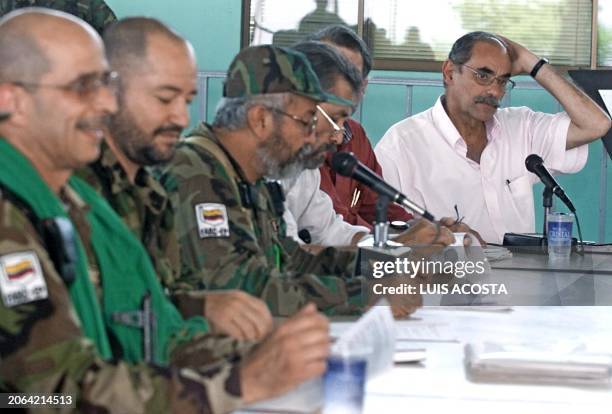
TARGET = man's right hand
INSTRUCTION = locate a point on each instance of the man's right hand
(238, 314)
(295, 352)
(424, 233)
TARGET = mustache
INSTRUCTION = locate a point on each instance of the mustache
(488, 99)
(330, 147)
(99, 122)
(168, 128)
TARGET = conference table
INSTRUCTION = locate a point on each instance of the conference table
(439, 383)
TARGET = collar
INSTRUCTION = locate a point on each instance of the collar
(448, 130)
(153, 195)
(206, 131)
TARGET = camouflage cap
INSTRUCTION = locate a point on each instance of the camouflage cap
(258, 70)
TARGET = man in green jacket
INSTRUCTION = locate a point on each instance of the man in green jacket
(230, 222)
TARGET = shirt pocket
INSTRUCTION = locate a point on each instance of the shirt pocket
(520, 187)
(520, 191)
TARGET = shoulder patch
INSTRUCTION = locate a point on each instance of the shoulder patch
(212, 220)
(21, 279)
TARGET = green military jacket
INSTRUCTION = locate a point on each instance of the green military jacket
(145, 208)
(43, 349)
(95, 12)
(232, 236)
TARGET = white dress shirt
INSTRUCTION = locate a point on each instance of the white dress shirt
(425, 157)
(308, 207)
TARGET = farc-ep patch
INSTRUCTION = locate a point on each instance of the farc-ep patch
(212, 220)
(21, 279)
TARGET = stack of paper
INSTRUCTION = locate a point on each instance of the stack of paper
(532, 364)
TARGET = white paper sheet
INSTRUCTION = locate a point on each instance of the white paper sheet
(374, 331)
(606, 95)
(419, 331)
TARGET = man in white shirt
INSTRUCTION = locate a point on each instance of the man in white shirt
(309, 208)
(465, 157)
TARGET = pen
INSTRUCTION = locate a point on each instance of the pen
(355, 199)
(458, 220)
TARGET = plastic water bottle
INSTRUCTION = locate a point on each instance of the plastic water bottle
(559, 235)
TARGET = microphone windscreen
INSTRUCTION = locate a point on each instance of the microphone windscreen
(344, 163)
(532, 161)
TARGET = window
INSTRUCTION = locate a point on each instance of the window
(413, 34)
(604, 33)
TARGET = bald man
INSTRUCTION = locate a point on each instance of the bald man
(76, 287)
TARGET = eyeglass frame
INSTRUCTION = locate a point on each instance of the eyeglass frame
(107, 79)
(311, 125)
(346, 134)
(506, 83)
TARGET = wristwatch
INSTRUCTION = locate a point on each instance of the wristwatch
(537, 67)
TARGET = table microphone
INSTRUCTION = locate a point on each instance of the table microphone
(535, 164)
(345, 163)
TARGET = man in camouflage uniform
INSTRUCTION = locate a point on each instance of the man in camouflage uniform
(230, 222)
(158, 72)
(95, 12)
(54, 79)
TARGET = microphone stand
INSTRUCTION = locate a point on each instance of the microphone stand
(547, 196)
(381, 225)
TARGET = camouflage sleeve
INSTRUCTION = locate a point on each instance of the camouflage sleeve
(97, 13)
(43, 349)
(235, 259)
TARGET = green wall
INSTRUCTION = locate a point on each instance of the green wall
(213, 26)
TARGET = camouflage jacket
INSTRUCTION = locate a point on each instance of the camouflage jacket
(95, 12)
(43, 349)
(145, 208)
(233, 237)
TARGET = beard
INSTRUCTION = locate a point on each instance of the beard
(276, 169)
(138, 145)
(318, 156)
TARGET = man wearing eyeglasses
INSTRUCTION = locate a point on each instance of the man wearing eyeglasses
(465, 156)
(230, 224)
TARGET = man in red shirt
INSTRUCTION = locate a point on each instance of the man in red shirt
(353, 200)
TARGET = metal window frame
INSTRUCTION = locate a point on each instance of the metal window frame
(420, 65)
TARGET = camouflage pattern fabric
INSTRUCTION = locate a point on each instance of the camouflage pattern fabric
(43, 349)
(270, 69)
(145, 208)
(253, 255)
(95, 12)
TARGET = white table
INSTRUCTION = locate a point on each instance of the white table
(439, 385)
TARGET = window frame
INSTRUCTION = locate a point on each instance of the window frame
(409, 65)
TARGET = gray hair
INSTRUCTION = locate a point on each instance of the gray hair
(461, 51)
(231, 113)
(329, 64)
(343, 36)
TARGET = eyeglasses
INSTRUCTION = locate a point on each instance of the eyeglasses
(485, 78)
(309, 126)
(337, 129)
(85, 86)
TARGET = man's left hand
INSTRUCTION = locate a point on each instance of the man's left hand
(523, 60)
